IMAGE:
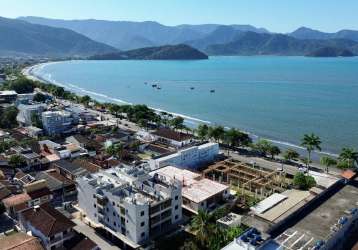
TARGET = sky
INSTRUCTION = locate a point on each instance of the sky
(275, 15)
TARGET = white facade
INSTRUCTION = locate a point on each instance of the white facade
(129, 203)
(24, 117)
(188, 158)
(56, 122)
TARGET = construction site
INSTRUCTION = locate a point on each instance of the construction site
(251, 180)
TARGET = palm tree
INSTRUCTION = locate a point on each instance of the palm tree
(328, 162)
(311, 142)
(349, 156)
(202, 131)
(291, 154)
(200, 226)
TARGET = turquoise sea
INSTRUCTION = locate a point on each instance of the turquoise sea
(279, 98)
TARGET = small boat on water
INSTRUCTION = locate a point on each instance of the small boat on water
(192, 88)
(212, 91)
(154, 85)
(145, 83)
(159, 87)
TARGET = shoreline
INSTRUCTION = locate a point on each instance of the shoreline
(28, 72)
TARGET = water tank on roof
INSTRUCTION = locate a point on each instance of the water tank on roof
(354, 210)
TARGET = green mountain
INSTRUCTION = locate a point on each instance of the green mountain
(307, 33)
(23, 38)
(168, 52)
(331, 52)
(251, 43)
(126, 35)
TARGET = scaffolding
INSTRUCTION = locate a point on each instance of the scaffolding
(248, 179)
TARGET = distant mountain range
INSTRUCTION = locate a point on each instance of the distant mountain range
(84, 38)
(167, 52)
(126, 35)
(307, 33)
(23, 38)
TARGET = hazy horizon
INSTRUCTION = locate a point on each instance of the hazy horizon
(275, 15)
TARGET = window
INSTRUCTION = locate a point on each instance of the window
(176, 217)
(94, 196)
(113, 203)
(107, 209)
(176, 197)
(143, 234)
(107, 219)
(114, 223)
(114, 214)
(176, 207)
(95, 215)
(95, 205)
(142, 213)
(142, 224)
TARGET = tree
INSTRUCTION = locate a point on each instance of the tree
(202, 131)
(39, 97)
(36, 121)
(348, 158)
(302, 181)
(17, 161)
(200, 226)
(116, 150)
(8, 117)
(22, 85)
(273, 151)
(311, 142)
(177, 123)
(262, 146)
(290, 155)
(328, 162)
(85, 100)
(217, 133)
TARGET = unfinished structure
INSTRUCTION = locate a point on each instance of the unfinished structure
(253, 179)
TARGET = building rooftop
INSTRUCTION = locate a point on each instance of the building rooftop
(321, 223)
(70, 167)
(19, 241)
(47, 220)
(54, 179)
(16, 200)
(195, 187)
(8, 92)
(172, 135)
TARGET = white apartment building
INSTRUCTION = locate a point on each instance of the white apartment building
(132, 205)
(190, 158)
(57, 122)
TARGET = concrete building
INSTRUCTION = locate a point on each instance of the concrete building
(130, 204)
(8, 96)
(198, 193)
(26, 113)
(192, 157)
(57, 122)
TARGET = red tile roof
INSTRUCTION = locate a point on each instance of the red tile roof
(348, 174)
(172, 135)
(20, 241)
(47, 220)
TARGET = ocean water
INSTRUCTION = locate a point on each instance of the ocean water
(280, 98)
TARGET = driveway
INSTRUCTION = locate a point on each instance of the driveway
(90, 233)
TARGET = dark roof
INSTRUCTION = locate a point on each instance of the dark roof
(89, 166)
(47, 220)
(85, 244)
(54, 180)
(39, 193)
(70, 167)
(81, 139)
(172, 135)
(4, 192)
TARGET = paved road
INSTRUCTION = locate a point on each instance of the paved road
(90, 233)
(272, 165)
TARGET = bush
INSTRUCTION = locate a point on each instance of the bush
(303, 182)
